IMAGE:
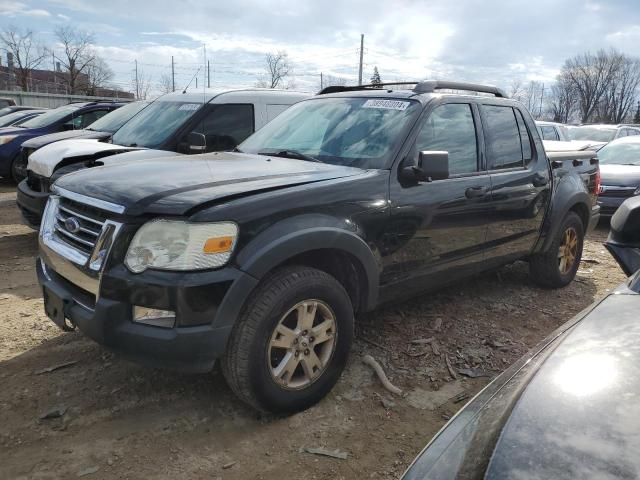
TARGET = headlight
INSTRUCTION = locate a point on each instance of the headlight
(176, 245)
(6, 138)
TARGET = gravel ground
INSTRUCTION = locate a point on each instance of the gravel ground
(114, 419)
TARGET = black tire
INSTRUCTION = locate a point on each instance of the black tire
(545, 268)
(246, 363)
(18, 173)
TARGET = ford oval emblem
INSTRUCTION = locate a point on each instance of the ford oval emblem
(72, 225)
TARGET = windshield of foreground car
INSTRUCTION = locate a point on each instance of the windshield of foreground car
(153, 125)
(358, 132)
(112, 121)
(620, 154)
(49, 118)
(593, 133)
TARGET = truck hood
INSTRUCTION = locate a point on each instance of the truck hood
(44, 160)
(175, 185)
(620, 175)
(43, 140)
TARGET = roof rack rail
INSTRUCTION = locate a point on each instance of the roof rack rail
(427, 86)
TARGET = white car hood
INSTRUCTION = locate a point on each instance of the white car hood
(44, 160)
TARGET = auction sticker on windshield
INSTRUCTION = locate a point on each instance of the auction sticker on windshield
(386, 104)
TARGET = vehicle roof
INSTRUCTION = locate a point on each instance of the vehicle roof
(210, 95)
(410, 94)
(601, 126)
(634, 139)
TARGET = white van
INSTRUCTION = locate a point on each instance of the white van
(184, 123)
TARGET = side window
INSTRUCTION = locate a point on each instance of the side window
(525, 138)
(225, 126)
(631, 132)
(549, 133)
(451, 128)
(85, 119)
(502, 137)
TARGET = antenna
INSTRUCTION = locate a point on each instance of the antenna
(192, 78)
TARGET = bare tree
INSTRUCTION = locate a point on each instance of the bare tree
(563, 99)
(77, 57)
(516, 89)
(98, 74)
(165, 84)
(141, 84)
(620, 95)
(277, 69)
(590, 74)
(27, 53)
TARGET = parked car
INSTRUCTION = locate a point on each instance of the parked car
(620, 173)
(19, 117)
(12, 109)
(565, 410)
(70, 117)
(602, 133)
(261, 257)
(553, 131)
(178, 122)
(6, 102)
(102, 130)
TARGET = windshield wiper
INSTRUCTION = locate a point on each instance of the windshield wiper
(291, 154)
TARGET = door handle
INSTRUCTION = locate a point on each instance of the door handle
(475, 192)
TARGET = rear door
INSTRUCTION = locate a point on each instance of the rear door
(438, 229)
(520, 186)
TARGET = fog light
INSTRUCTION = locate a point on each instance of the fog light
(153, 316)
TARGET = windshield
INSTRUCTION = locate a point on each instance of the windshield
(620, 153)
(358, 132)
(13, 118)
(112, 121)
(153, 125)
(48, 118)
(593, 133)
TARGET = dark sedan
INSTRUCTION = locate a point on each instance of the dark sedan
(620, 173)
(569, 409)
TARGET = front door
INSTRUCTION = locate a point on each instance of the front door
(438, 228)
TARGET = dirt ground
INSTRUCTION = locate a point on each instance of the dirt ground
(114, 419)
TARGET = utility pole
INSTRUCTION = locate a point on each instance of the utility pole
(321, 82)
(361, 54)
(541, 99)
(173, 76)
(137, 84)
(208, 74)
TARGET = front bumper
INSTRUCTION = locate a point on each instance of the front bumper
(31, 204)
(107, 316)
(609, 205)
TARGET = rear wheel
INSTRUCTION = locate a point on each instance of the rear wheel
(291, 342)
(558, 267)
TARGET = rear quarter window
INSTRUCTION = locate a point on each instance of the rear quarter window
(502, 137)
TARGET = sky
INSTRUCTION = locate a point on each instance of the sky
(488, 41)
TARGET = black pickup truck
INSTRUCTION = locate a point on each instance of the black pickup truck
(262, 257)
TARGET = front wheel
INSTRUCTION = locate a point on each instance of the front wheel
(291, 342)
(18, 169)
(558, 267)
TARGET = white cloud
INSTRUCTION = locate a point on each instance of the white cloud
(11, 8)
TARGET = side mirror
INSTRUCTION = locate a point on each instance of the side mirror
(624, 238)
(197, 142)
(68, 126)
(432, 165)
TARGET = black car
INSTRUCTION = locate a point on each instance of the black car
(69, 117)
(568, 409)
(620, 173)
(102, 129)
(262, 257)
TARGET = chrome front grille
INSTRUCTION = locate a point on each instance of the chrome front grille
(76, 230)
(78, 225)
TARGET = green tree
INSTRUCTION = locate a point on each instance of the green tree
(375, 78)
